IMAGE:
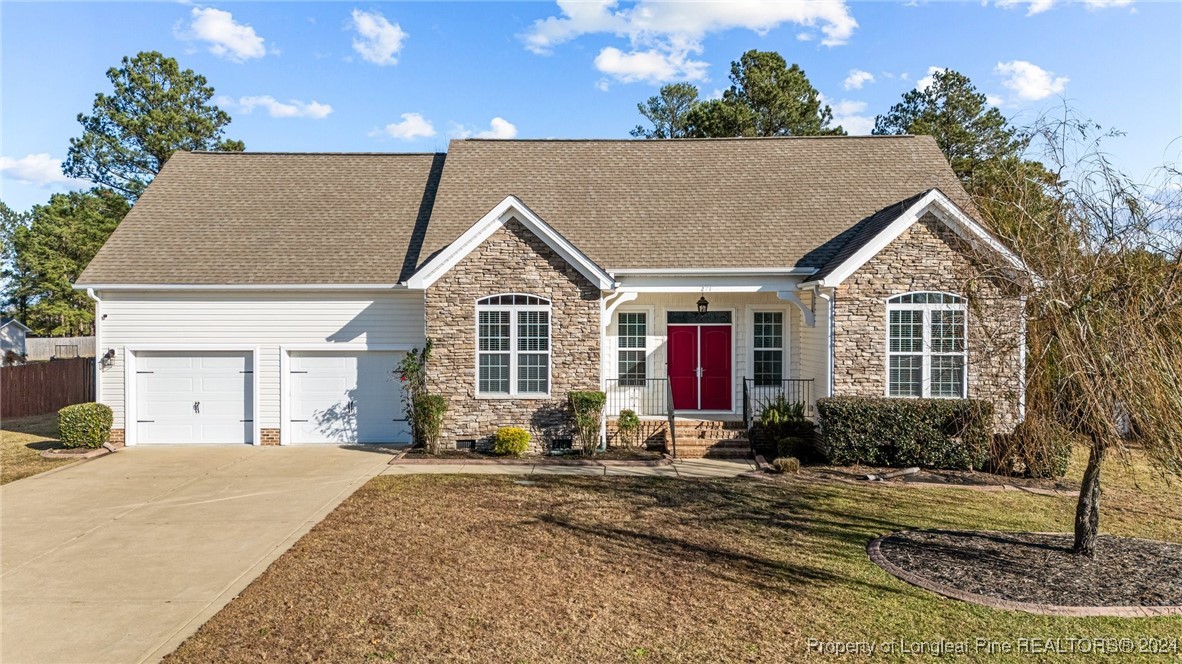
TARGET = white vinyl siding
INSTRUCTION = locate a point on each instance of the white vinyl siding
(201, 319)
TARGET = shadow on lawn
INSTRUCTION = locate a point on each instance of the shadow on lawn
(767, 535)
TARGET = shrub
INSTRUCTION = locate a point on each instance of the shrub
(627, 424)
(787, 464)
(511, 441)
(932, 433)
(588, 406)
(800, 447)
(429, 411)
(1037, 448)
(85, 424)
(783, 422)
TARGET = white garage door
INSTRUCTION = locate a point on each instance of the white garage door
(350, 397)
(184, 397)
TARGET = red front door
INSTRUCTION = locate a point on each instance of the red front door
(700, 366)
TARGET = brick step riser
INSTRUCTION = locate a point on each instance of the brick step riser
(730, 444)
(712, 454)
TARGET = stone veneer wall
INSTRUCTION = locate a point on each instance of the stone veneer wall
(512, 260)
(931, 257)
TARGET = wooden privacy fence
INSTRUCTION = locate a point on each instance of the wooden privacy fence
(45, 387)
(40, 349)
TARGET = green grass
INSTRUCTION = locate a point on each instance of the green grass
(483, 569)
(21, 443)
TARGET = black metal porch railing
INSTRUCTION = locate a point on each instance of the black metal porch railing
(755, 397)
(647, 398)
(651, 397)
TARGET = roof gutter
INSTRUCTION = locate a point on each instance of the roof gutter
(715, 272)
(239, 287)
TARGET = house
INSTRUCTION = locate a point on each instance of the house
(268, 298)
(12, 340)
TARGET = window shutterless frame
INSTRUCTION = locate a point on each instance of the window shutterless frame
(926, 304)
(514, 304)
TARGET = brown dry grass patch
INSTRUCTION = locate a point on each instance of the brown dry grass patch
(21, 442)
(483, 569)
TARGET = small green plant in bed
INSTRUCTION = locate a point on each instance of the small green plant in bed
(511, 441)
(784, 422)
(628, 425)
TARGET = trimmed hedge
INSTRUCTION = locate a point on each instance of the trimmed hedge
(953, 434)
(85, 425)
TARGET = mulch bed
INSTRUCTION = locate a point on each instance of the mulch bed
(613, 456)
(964, 478)
(1039, 568)
(73, 452)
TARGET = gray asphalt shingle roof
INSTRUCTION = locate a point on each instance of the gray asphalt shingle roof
(253, 218)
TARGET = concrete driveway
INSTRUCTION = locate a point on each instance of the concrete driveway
(121, 558)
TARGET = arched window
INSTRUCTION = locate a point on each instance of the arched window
(513, 346)
(927, 345)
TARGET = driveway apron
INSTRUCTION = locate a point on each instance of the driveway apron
(121, 558)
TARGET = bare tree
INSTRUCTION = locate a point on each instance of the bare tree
(1105, 321)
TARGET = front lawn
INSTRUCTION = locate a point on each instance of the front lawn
(21, 443)
(556, 569)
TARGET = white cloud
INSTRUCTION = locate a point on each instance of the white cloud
(851, 116)
(603, 85)
(293, 108)
(413, 125)
(1029, 81)
(225, 38)
(925, 82)
(857, 79)
(804, 36)
(378, 40)
(1034, 7)
(498, 127)
(993, 100)
(664, 35)
(40, 170)
(652, 66)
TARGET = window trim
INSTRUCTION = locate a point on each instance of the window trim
(513, 309)
(925, 384)
(786, 339)
(646, 349)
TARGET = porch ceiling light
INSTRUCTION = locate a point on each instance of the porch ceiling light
(703, 304)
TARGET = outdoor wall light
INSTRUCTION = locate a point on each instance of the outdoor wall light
(703, 304)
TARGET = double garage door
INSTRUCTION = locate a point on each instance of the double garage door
(207, 397)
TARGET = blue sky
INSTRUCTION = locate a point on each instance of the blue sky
(349, 76)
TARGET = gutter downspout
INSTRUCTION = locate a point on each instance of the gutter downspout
(830, 333)
(98, 346)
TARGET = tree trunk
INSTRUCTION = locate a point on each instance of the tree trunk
(1087, 510)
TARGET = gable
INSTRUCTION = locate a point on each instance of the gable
(873, 234)
(511, 209)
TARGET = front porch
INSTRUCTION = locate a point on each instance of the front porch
(698, 379)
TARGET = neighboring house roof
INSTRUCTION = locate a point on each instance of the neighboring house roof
(5, 320)
(256, 219)
(264, 218)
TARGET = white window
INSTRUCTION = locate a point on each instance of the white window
(768, 348)
(927, 349)
(513, 346)
(632, 357)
